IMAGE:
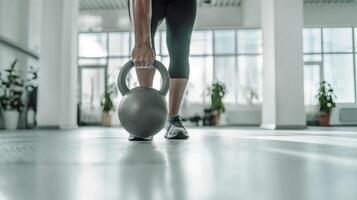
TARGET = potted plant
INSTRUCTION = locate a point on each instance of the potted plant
(31, 97)
(107, 105)
(326, 97)
(218, 91)
(251, 95)
(11, 90)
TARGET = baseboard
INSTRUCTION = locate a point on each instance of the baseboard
(282, 127)
(57, 127)
(48, 127)
(68, 126)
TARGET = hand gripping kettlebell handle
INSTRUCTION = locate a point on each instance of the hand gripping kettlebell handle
(123, 88)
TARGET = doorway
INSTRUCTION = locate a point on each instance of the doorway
(91, 89)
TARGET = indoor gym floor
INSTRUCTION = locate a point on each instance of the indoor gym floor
(214, 164)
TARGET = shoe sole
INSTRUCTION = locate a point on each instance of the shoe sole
(180, 136)
(136, 139)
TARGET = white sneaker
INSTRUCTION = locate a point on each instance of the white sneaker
(134, 138)
(175, 129)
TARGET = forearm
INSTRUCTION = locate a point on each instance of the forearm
(141, 17)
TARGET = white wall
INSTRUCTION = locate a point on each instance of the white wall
(314, 14)
(19, 22)
(14, 26)
(331, 15)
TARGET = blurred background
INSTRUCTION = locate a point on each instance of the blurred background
(68, 51)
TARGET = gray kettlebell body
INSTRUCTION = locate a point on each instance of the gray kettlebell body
(143, 110)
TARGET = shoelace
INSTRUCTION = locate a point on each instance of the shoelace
(177, 121)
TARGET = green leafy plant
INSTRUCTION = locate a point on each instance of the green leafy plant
(11, 89)
(107, 102)
(218, 91)
(326, 97)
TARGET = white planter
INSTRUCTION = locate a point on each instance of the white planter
(11, 119)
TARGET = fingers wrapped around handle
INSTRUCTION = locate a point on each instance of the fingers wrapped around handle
(123, 88)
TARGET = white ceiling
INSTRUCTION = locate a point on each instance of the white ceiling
(122, 4)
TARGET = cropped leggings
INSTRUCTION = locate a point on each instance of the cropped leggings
(180, 16)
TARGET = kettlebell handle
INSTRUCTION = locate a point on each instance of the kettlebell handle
(123, 88)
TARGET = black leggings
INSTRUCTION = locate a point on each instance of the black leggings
(180, 16)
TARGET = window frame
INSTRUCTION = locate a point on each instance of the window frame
(353, 53)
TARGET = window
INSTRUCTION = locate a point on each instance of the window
(312, 58)
(118, 44)
(311, 83)
(336, 55)
(201, 76)
(338, 70)
(224, 42)
(93, 45)
(225, 72)
(249, 79)
(92, 61)
(201, 43)
(250, 41)
(312, 40)
(337, 40)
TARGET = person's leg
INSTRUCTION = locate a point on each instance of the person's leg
(180, 18)
(177, 90)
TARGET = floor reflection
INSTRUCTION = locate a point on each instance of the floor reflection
(143, 173)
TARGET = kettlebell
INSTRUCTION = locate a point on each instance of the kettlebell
(143, 110)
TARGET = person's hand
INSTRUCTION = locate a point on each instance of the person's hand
(143, 55)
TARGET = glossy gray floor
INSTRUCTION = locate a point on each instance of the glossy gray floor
(218, 164)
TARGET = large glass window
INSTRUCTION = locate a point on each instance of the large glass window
(201, 77)
(92, 61)
(334, 50)
(201, 43)
(118, 44)
(338, 70)
(93, 45)
(225, 72)
(224, 42)
(337, 40)
(250, 41)
(311, 82)
(249, 79)
(312, 40)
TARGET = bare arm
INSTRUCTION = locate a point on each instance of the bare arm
(142, 54)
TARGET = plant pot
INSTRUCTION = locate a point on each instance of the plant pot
(215, 118)
(11, 119)
(106, 119)
(1, 120)
(31, 119)
(324, 119)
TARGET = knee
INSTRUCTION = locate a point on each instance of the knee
(179, 69)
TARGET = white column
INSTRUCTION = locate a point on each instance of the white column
(57, 95)
(283, 96)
